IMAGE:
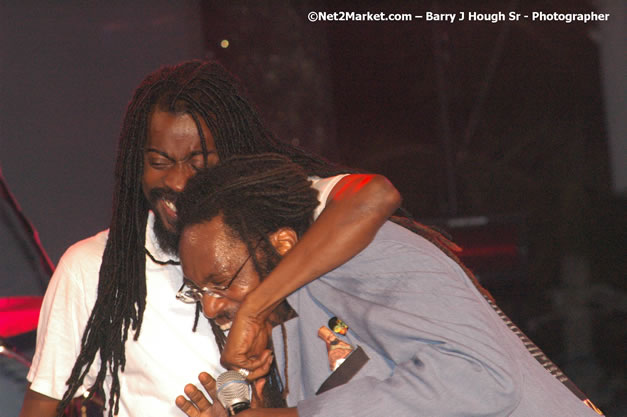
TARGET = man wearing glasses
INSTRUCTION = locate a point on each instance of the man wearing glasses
(421, 337)
(110, 323)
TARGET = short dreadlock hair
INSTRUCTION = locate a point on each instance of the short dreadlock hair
(258, 194)
(210, 95)
(255, 195)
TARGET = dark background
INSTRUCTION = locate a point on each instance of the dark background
(508, 135)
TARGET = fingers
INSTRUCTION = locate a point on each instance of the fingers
(208, 383)
(257, 400)
(253, 368)
(186, 406)
(260, 367)
(259, 384)
(197, 405)
(247, 340)
(197, 397)
(238, 354)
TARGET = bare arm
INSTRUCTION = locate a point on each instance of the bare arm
(270, 412)
(38, 405)
(356, 208)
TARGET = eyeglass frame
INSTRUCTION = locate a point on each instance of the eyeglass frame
(194, 294)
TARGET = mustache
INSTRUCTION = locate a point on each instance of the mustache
(227, 315)
(162, 193)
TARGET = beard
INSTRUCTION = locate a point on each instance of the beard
(166, 239)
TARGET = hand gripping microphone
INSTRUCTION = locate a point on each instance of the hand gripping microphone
(234, 392)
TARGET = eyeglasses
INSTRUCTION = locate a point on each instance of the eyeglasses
(189, 293)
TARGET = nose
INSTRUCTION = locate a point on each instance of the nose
(212, 307)
(177, 176)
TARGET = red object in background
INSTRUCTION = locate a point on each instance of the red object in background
(494, 248)
(19, 315)
(490, 248)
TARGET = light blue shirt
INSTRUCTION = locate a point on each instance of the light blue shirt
(436, 347)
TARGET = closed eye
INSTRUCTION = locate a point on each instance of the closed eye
(160, 164)
(189, 283)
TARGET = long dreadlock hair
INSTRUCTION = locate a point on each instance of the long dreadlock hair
(213, 97)
(257, 195)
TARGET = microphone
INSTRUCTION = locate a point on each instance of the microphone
(233, 391)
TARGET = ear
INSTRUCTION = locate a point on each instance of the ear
(283, 240)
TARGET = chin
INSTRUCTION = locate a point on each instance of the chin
(166, 236)
(167, 222)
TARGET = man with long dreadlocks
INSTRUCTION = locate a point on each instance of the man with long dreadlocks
(415, 333)
(110, 323)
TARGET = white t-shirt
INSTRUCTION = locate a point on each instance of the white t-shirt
(167, 355)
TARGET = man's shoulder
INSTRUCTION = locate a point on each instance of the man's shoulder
(87, 249)
(397, 236)
(396, 248)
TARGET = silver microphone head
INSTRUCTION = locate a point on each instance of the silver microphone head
(234, 392)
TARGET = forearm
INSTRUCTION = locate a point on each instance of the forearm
(270, 412)
(357, 207)
(38, 405)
